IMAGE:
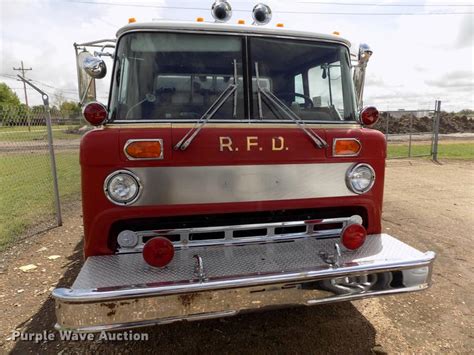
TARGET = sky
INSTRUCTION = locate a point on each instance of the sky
(417, 58)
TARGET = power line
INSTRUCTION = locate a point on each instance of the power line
(67, 93)
(141, 5)
(62, 91)
(376, 13)
(9, 76)
(383, 5)
(283, 12)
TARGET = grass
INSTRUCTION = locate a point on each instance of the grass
(26, 199)
(36, 133)
(446, 150)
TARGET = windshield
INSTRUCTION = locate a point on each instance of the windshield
(166, 76)
(313, 80)
(178, 76)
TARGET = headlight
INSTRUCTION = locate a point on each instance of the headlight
(360, 178)
(122, 187)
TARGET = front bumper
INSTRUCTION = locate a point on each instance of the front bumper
(122, 291)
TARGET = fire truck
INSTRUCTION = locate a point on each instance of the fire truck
(232, 170)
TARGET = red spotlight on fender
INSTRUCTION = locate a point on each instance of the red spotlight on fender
(158, 252)
(95, 113)
(353, 236)
(369, 116)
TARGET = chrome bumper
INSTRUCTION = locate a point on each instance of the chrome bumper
(122, 291)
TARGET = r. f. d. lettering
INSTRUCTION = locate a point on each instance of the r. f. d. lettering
(278, 143)
(225, 143)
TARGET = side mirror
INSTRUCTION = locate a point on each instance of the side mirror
(95, 67)
(359, 72)
(87, 92)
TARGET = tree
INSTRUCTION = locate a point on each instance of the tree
(59, 98)
(70, 109)
(8, 96)
(466, 112)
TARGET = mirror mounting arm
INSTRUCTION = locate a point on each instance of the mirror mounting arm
(103, 54)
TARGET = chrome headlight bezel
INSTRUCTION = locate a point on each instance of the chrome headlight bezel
(129, 201)
(349, 176)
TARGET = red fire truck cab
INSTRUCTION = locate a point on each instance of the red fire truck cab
(231, 171)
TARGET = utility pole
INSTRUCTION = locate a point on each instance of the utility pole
(23, 69)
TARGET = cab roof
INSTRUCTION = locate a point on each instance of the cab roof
(229, 28)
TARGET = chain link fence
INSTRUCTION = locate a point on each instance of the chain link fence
(27, 200)
(409, 134)
(424, 133)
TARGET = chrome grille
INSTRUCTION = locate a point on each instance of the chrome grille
(245, 233)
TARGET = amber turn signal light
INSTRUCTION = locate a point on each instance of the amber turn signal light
(346, 147)
(143, 149)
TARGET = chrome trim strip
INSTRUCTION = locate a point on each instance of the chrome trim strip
(335, 140)
(236, 31)
(245, 123)
(106, 186)
(241, 183)
(348, 182)
(226, 124)
(130, 141)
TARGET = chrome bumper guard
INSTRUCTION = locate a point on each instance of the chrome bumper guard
(122, 291)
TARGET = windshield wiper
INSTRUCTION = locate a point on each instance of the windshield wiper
(211, 111)
(271, 97)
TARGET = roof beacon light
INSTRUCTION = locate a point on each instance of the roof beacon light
(262, 14)
(221, 11)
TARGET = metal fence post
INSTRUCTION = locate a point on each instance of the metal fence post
(409, 139)
(436, 129)
(387, 115)
(45, 98)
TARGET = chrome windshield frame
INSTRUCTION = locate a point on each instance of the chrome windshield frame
(245, 36)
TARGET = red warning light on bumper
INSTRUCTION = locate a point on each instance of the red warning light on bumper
(158, 252)
(353, 236)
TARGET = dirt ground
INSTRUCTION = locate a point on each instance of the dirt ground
(427, 205)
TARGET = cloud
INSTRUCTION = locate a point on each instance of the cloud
(462, 79)
(465, 37)
(412, 65)
(45, 42)
(375, 80)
